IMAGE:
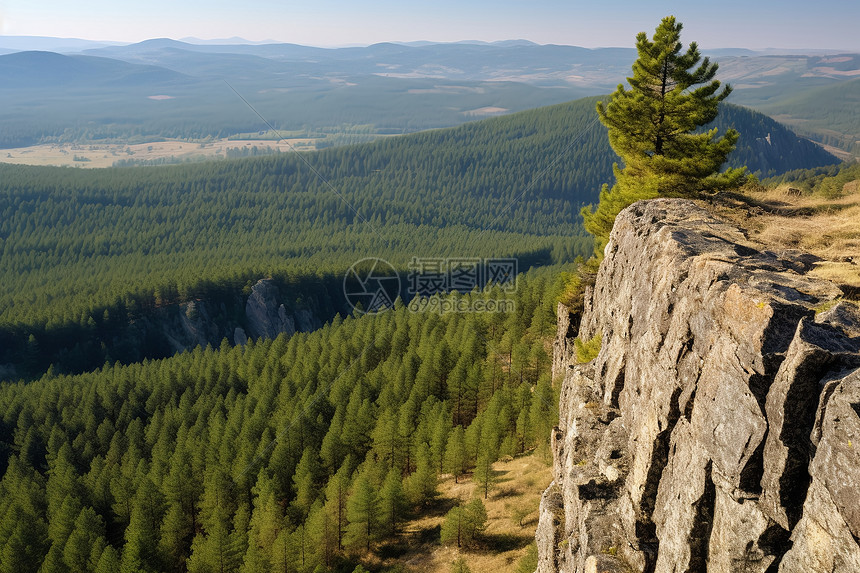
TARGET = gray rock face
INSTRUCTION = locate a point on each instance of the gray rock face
(200, 322)
(825, 538)
(712, 431)
(186, 325)
(563, 352)
(239, 336)
(266, 316)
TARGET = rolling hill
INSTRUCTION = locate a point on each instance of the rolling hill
(392, 88)
(76, 243)
(827, 114)
(27, 70)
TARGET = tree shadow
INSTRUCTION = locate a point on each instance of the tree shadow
(428, 534)
(438, 508)
(395, 549)
(502, 493)
(502, 542)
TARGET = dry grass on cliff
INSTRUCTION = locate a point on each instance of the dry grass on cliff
(782, 218)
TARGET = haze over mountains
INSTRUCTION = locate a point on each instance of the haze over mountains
(108, 90)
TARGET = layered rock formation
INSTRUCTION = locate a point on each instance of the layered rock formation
(200, 322)
(716, 428)
(267, 317)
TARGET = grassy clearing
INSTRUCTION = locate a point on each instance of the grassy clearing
(512, 518)
(99, 155)
(785, 218)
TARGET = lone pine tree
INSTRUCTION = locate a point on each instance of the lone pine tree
(652, 127)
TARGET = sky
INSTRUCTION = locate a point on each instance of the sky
(754, 24)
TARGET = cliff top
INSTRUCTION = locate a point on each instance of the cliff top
(786, 218)
(713, 430)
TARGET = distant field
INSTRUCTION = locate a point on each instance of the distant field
(105, 155)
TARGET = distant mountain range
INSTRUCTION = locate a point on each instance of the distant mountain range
(24, 70)
(393, 87)
(48, 43)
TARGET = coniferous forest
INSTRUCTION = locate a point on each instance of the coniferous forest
(305, 452)
(85, 252)
(292, 454)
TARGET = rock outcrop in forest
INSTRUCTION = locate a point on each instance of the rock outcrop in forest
(267, 317)
(160, 329)
(183, 326)
(716, 428)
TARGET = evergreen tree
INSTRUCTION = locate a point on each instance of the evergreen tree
(54, 562)
(109, 561)
(141, 536)
(362, 512)
(86, 542)
(392, 501)
(282, 552)
(304, 482)
(216, 551)
(475, 516)
(440, 431)
(464, 523)
(484, 474)
(385, 438)
(421, 484)
(337, 494)
(456, 457)
(544, 415)
(20, 553)
(452, 527)
(460, 566)
(176, 534)
(255, 559)
(63, 521)
(322, 529)
(652, 127)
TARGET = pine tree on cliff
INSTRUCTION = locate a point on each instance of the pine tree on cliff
(652, 127)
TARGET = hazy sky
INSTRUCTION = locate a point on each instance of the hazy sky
(827, 24)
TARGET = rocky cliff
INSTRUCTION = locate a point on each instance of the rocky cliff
(717, 429)
(267, 317)
(200, 322)
(152, 330)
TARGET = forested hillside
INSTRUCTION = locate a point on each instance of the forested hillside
(294, 454)
(503, 187)
(827, 114)
(86, 251)
(766, 146)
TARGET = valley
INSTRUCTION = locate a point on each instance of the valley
(269, 307)
(165, 89)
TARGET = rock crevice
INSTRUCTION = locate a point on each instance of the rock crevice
(713, 429)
